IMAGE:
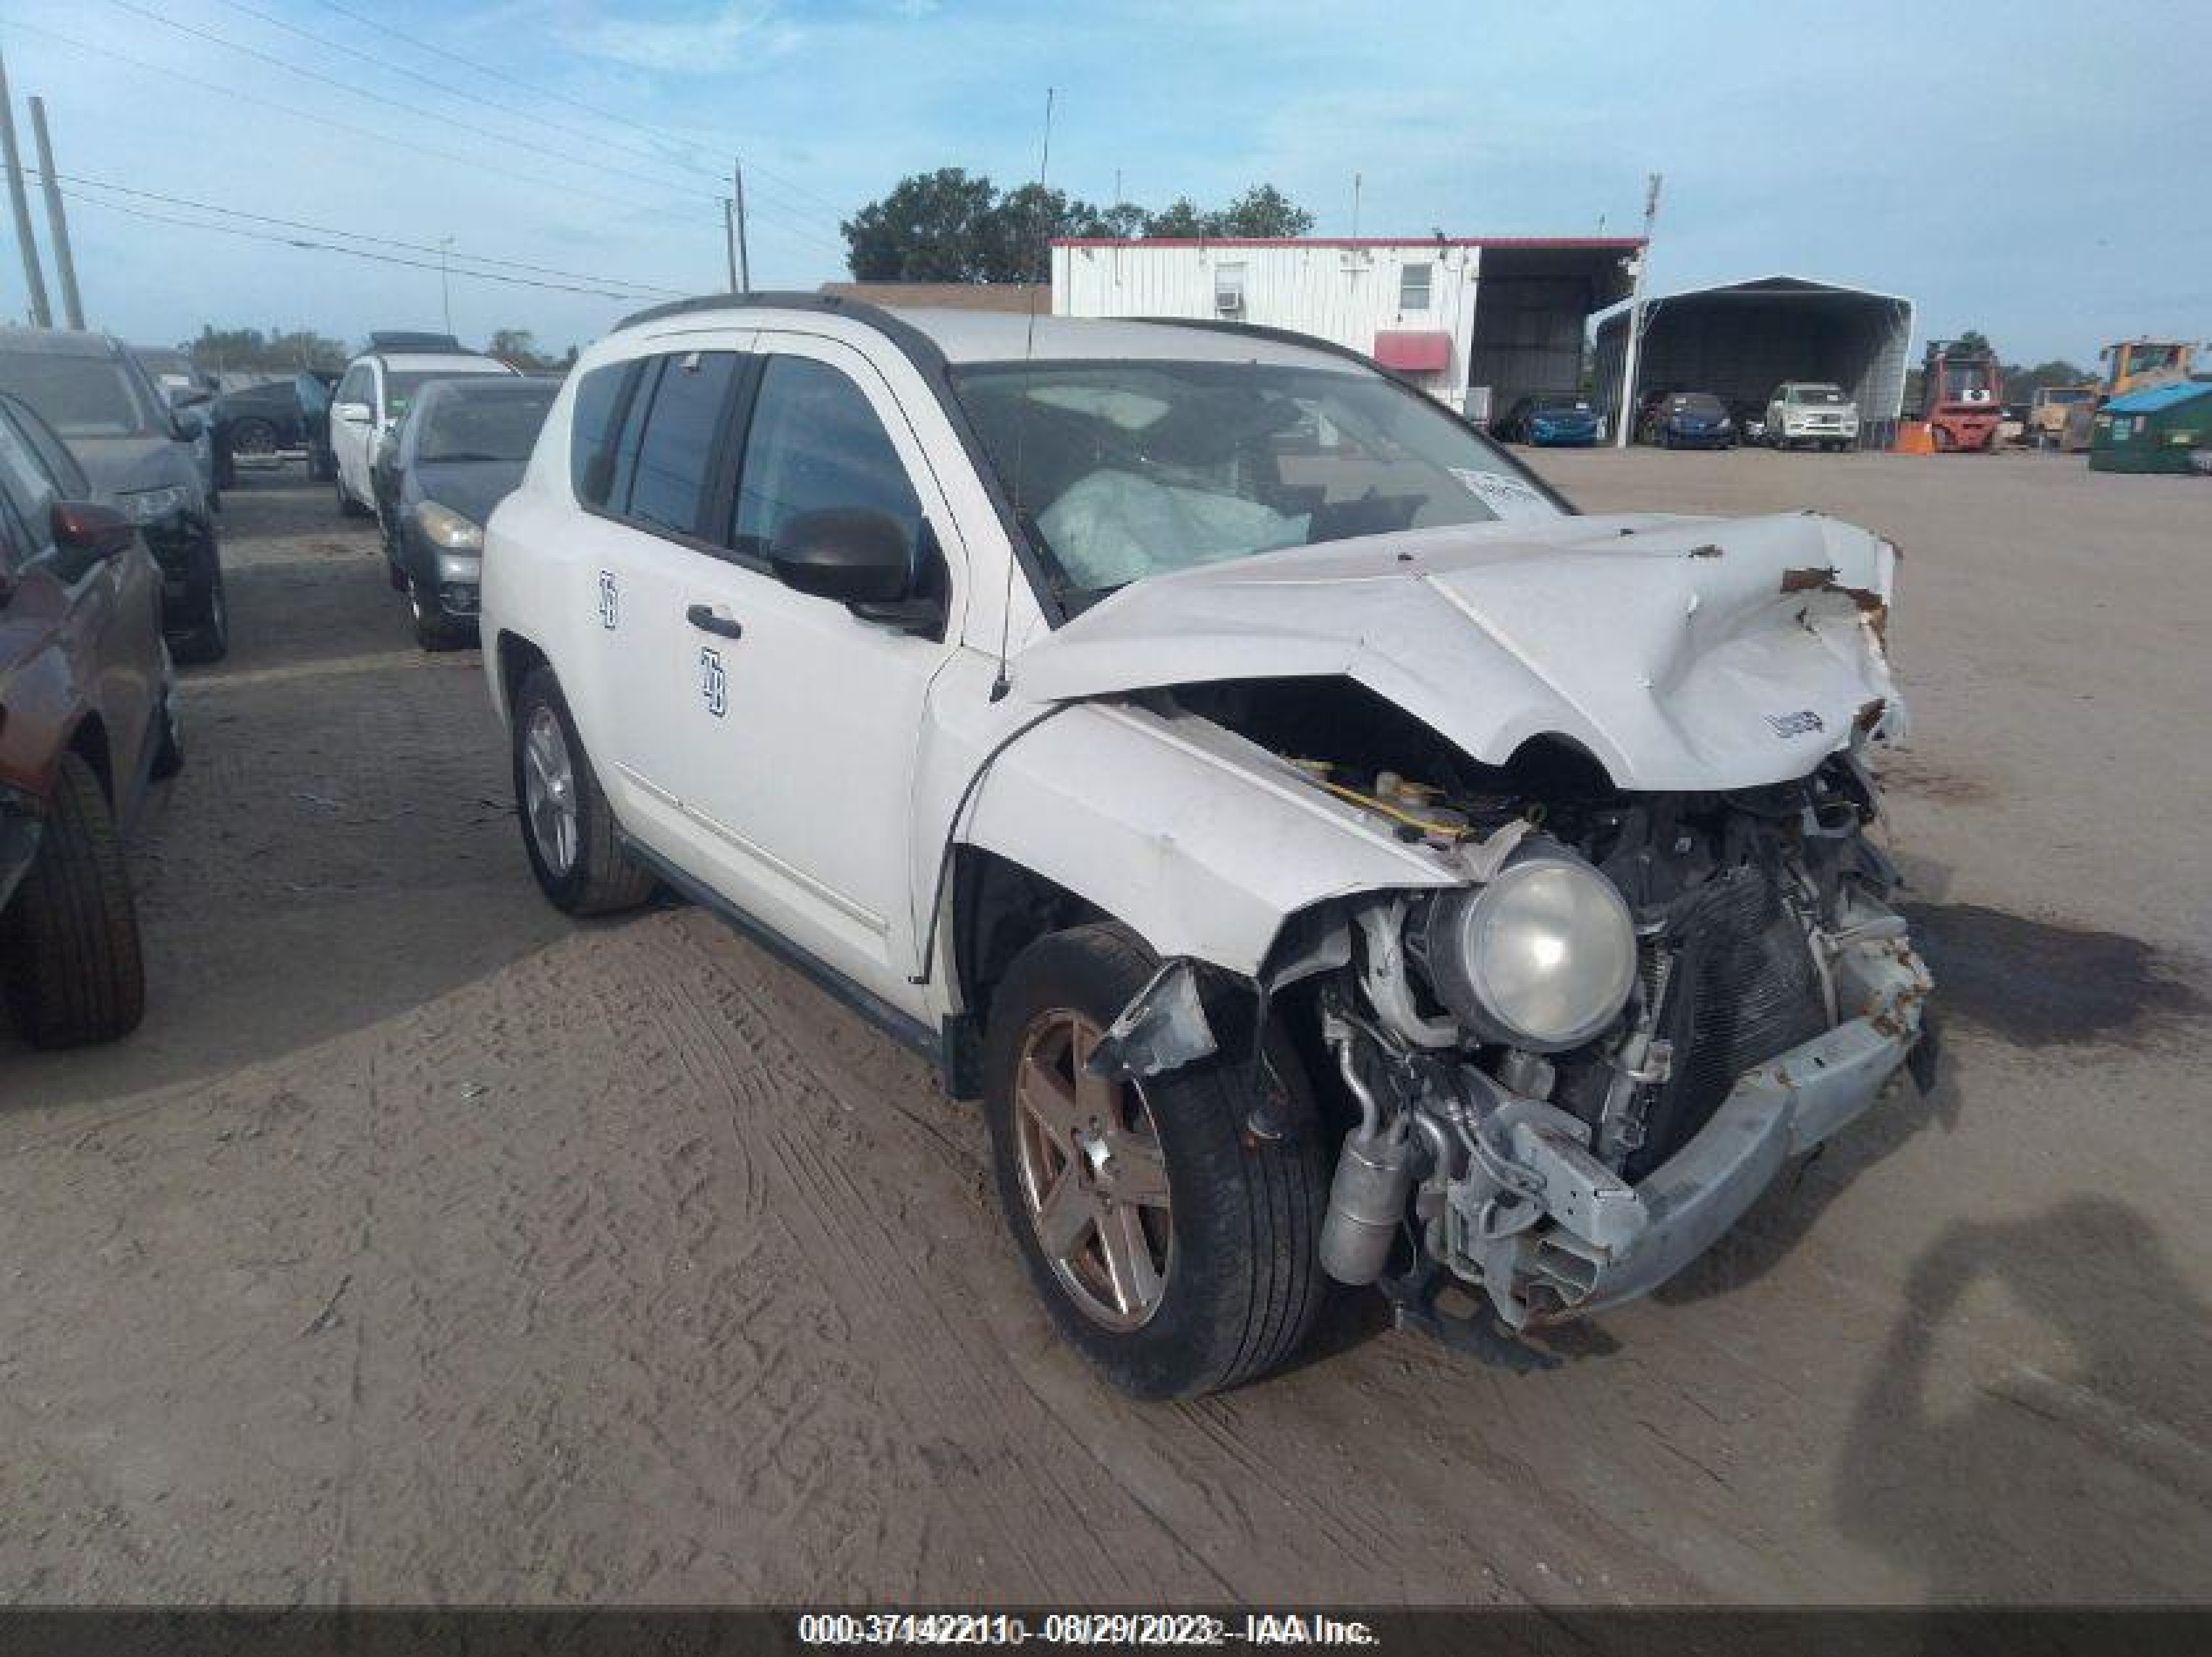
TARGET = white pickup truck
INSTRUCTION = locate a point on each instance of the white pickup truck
(1326, 854)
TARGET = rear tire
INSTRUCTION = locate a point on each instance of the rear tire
(1242, 1285)
(69, 954)
(581, 869)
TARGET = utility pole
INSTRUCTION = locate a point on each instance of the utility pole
(730, 241)
(57, 221)
(34, 278)
(1357, 181)
(445, 282)
(1632, 343)
(744, 251)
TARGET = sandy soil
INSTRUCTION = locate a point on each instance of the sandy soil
(426, 1247)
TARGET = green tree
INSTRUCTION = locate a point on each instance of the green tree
(518, 348)
(281, 351)
(955, 226)
(1260, 211)
(932, 227)
(1180, 219)
(2022, 384)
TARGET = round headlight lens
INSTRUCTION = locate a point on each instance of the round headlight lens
(1543, 957)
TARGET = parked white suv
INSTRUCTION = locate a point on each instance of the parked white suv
(1814, 413)
(1322, 850)
(375, 393)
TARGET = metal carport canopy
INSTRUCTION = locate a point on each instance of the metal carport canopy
(1743, 340)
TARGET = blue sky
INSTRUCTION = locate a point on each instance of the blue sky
(2035, 169)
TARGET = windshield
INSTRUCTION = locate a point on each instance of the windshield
(1126, 469)
(483, 425)
(79, 395)
(1821, 394)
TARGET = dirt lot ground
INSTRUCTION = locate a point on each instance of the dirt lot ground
(426, 1246)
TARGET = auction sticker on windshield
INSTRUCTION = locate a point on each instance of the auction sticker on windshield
(1506, 497)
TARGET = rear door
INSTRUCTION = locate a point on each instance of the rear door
(649, 480)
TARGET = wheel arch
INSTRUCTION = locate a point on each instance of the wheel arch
(88, 741)
(516, 656)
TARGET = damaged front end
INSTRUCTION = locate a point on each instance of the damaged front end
(1575, 1071)
(1569, 1092)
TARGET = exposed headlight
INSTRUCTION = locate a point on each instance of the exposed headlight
(1543, 957)
(446, 528)
(151, 506)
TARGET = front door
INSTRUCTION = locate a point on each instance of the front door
(808, 717)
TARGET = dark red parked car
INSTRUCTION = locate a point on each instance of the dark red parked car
(87, 720)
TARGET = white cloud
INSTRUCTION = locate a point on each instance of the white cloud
(730, 36)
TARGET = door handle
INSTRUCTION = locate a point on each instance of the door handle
(702, 617)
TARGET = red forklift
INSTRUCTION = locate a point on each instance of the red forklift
(1961, 398)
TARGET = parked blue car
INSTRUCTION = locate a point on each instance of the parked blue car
(1552, 419)
(1688, 420)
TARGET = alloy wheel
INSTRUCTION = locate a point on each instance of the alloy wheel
(548, 786)
(1092, 1175)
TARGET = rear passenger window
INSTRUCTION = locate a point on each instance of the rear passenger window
(814, 442)
(673, 457)
(592, 431)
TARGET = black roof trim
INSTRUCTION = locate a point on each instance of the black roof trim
(413, 339)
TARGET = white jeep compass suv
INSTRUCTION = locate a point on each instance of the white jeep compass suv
(1326, 854)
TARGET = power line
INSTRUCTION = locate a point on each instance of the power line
(359, 235)
(425, 112)
(498, 74)
(351, 252)
(318, 118)
(471, 93)
(793, 221)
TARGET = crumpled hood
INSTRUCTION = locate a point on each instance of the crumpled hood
(1683, 653)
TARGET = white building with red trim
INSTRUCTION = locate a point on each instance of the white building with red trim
(1477, 321)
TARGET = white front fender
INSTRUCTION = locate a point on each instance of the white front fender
(1200, 841)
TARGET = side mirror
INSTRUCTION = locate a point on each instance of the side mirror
(188, 424)
(86, 534)
(853, 554)
(354, 413)
(189, 396)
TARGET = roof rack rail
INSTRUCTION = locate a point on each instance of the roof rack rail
(406, 339)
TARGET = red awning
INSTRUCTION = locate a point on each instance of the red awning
(1414, 350)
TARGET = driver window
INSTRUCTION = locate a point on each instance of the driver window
(813, 442)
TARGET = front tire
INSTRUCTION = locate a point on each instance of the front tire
(70, 958)
(568, 829)
(209, 640)
(1174, 1251)
(432, 630)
